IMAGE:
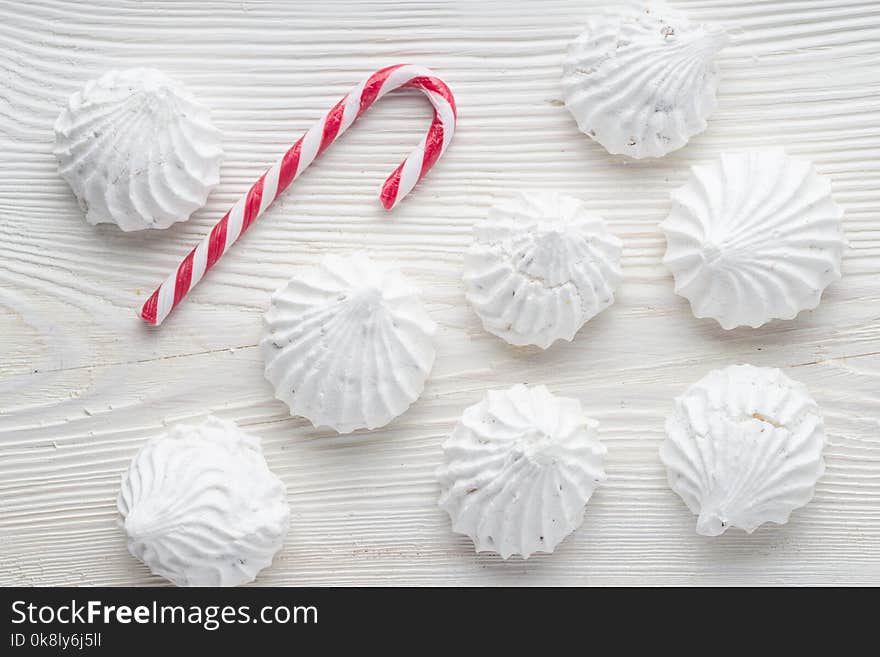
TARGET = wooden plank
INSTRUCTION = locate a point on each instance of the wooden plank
(83, 383)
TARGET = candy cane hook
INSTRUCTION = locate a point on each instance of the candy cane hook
(296, 160)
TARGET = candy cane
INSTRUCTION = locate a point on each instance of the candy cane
(296, 160)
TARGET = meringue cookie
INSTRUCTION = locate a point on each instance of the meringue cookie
(744, 447)
(642, 84)
(519, 469)
(137, 149)
(541, 265)
(349, 344)
(200, 507)
(752, 237)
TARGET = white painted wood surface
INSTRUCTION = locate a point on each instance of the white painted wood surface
(83, 383)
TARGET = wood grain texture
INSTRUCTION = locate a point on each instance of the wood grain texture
(83, 383)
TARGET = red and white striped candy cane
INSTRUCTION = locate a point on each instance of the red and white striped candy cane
(299, 157)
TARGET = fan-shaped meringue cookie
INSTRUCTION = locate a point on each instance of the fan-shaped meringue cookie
(349, 344)
(137, 149)
(519, 469)
(642, 84)
(744, 447)
(540, 266)
(753, 236)
(200, 506)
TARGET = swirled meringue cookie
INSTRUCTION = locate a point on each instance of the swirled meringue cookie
(744, 447)
(640, 83)
(349, 344)
(200, 507)
(753, 236)
(138, 150)
(540, 266)
(519, 469)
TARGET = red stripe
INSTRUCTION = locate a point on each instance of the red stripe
(252, 204)
(433, 146)
(388, 196)
(217, 242)
(331, 125)
(374, 85)
(436, 86)
(289, 163)
(184, 278)
(148, 312)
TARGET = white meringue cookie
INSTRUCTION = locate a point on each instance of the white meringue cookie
(137, 149)
(200, 506)
(349, 344)
(519, 469)
(753, 236)
(642, 84)
(541, 265)
(744, 447)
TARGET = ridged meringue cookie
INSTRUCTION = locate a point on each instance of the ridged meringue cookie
(642, 84)
(137, 149)
(200, 507)
(744, 447)
(519, 469)
(540, 266)
(349, 344)
(753, 236)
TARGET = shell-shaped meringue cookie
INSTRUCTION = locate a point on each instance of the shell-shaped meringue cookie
(519, 469)
(540, 266)
(349, 344)
(753, 236)
(642, 84)
(744, 447)
(137, 149)
(200, 507)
